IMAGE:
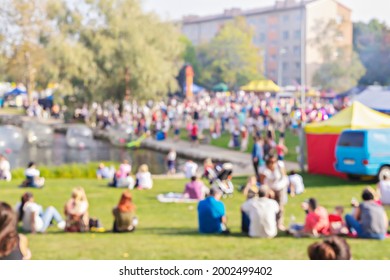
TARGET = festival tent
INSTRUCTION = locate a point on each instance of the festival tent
(321, 138)
(15, 91)
(195, 88)
(376, 98)
(261, 86)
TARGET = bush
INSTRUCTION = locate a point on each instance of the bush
(69, 171)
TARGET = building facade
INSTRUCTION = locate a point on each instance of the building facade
(284, 33)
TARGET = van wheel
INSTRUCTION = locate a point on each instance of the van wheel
(384, 171)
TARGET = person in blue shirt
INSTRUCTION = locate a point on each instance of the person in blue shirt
(257, 154)
(211, 213)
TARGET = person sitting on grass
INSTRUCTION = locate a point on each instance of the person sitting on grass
(76, 211)
(337, 225)
(250, 191)
(332, 248)
(383, 188)
(103, 172)
(211, 213)
(195, 189)
(296, 185)
(262, 213)
(5, 169)
(121, 176)
(124, 214)
(13, 246)
(34, 219)
(33, 178)
(369, 219)
(316, 222)
(144, 178)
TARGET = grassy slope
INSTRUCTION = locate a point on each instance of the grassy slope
(169, 231)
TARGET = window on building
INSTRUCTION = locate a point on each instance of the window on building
(261, 21)
(262, 37)
(297, 34)
(286, 18)
(297, 50)
(297, 65)
(286, 35)
(285, 65)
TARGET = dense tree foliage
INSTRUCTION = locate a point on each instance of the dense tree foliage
(96, 49)
(372, 43)
(342, 68)
(231, 57)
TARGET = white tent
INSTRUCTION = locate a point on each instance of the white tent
(375, 97)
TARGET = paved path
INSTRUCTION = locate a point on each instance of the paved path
(242, 161)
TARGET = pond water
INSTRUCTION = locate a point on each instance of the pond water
(101, 150)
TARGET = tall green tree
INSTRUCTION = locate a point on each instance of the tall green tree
(342, 68)
(372, 43)
(231, 57)
(25, 22)
(95, 49)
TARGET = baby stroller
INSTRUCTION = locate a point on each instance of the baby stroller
(221, 177)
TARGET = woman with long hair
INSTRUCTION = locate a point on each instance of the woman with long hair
(144, 178)
(76, 211)
(124, 214)
(13, 246)
(34, 218)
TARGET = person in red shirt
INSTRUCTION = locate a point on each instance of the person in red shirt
(316, 222)
(194, 134)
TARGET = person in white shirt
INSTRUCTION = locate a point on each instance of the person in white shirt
(190, 169)
(33, 178)
(5, 169)
(33, 218)
(262, 213)
(274, 176)
(296, 185)
(144, 178)
(171, 160)
(383, 189)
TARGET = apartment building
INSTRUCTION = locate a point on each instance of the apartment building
(284, 33)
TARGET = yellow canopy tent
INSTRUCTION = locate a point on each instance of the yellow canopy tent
(322, 137)
(261, 86)
(356, 116)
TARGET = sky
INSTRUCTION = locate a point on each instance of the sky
(362, 10)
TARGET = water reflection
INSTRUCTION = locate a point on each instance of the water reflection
(60, 153)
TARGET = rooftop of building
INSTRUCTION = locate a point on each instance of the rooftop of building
(235, 12)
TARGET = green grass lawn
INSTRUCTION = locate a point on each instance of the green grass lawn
(169, 231)
(11, 111)
(291, 142)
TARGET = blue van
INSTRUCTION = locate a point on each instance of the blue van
(364, 153)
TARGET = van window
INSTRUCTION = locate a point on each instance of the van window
(351, 139)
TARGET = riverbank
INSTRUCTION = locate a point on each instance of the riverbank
(242, 164)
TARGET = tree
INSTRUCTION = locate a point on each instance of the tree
(25, 22)
(136, 56)
(339, 74)
(372, 43)
(94, 49)
(342, 68)
(231, 57)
